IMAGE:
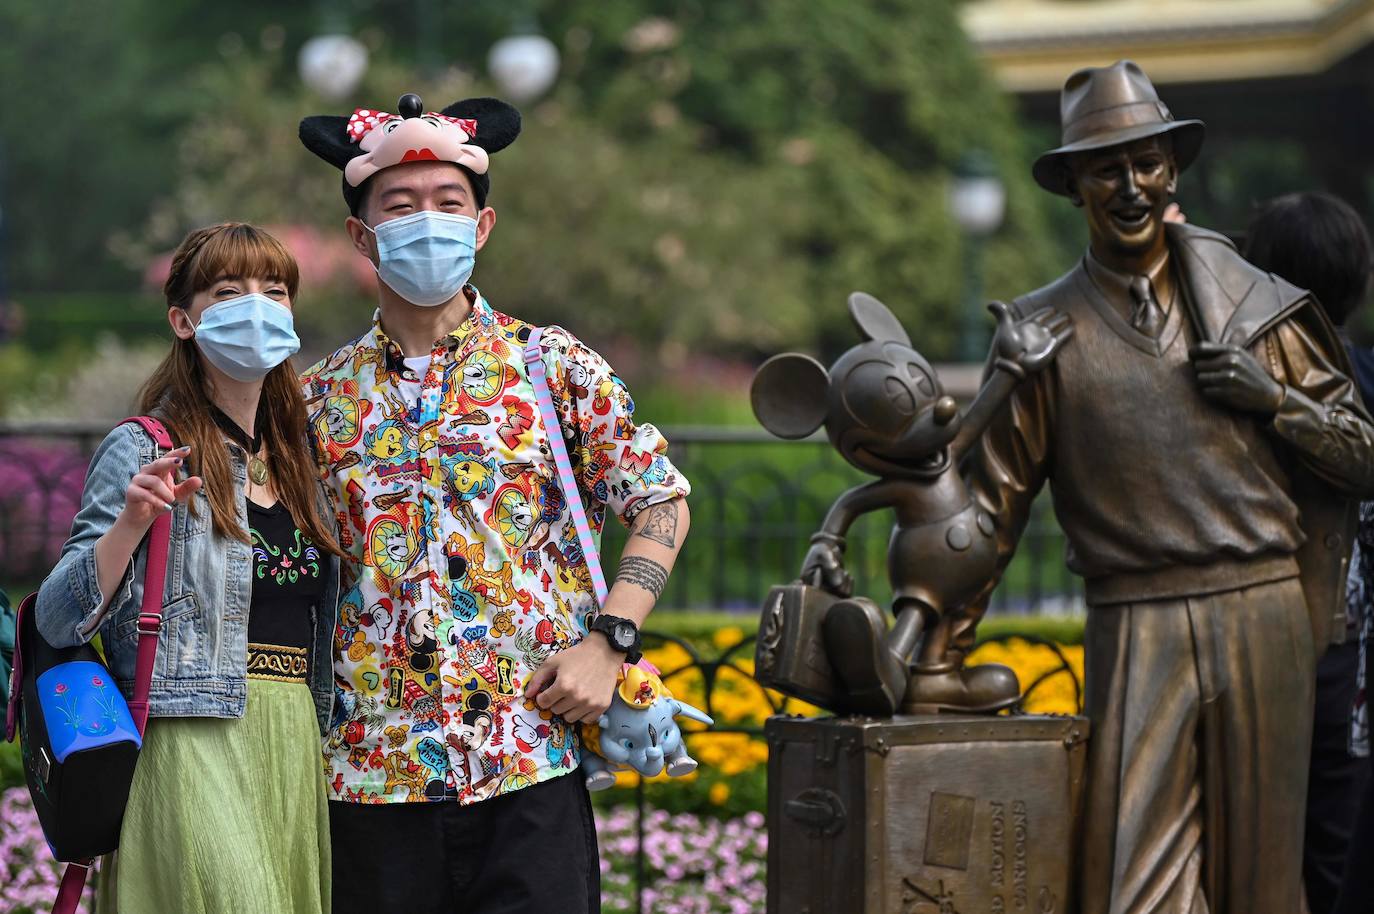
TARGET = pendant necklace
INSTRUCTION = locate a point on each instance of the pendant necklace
(257, 467)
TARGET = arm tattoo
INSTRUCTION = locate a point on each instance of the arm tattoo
(642, 572)
(660, 524)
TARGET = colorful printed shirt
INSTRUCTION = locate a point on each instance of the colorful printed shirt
(465, 572)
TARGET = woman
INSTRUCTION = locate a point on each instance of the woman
(227, 812)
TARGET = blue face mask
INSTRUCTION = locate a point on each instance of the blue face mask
(248, 336)
(426, 257)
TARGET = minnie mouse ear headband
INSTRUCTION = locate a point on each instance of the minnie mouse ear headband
(465, 133)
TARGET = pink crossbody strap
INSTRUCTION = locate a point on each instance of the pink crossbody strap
(534, 362)
(73, 883)
(150, 613)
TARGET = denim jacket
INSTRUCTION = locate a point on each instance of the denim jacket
(202, 654)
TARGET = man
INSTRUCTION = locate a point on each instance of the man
(467, 606)
(1200, 436)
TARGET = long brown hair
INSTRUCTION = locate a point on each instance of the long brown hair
(180, 391)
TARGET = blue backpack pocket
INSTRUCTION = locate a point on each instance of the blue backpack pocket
(83, 709)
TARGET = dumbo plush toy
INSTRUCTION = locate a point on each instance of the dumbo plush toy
(638, 731)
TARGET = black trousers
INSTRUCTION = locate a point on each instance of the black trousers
(532, 851)
(1357, 888)
(1336, 780)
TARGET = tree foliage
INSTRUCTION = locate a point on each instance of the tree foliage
(705, 176)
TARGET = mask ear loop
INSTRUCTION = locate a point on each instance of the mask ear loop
(375, 269)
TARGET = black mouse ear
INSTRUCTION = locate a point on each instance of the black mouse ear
(875, 320)
(498, 123)
(789, 395)
(327, 136)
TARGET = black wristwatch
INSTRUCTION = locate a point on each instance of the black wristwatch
(622, 634)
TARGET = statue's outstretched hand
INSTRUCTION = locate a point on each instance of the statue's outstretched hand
(823, 566)
(1026, 346)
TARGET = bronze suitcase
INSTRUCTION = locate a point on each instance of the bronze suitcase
(940, 814)
(789, 653)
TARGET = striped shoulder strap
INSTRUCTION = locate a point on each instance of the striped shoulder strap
(534, 362)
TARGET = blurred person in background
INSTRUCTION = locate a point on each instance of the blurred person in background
(1318, 242)
(227, 811)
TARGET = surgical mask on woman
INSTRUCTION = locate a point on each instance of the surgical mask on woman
(248, 336)
(426, 257)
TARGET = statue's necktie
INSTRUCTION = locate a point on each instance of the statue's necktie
(1147, 316)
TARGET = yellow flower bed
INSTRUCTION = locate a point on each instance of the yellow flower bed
(1031, 661)
(739, 701)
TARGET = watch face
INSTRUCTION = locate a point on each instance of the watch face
(624, 636)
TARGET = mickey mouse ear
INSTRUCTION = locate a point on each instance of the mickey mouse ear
(875, 320)
(789, 395)
(327, 136)
(498, 123)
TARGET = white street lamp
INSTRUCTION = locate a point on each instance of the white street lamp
(332, 65)
(977, 197)
(524, 66)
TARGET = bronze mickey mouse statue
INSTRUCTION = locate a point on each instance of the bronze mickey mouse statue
(885, 411)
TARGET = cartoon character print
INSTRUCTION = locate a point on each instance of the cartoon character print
(527, 735)
(422, 640)
(512, 516)
(478, 723)
(561, 750)
(524, 513)
(435, 651)
(395, 539)
(338, 426)
(477, 381)
(360, 633)
(475, 654)
(467, 477)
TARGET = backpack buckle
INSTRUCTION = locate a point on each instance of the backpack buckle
(149, 623)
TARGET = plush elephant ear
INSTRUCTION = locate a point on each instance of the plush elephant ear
(789, 394)
(327, 136)
(498, 123)
(875, 320)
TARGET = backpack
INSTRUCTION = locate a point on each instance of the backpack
(79, 738)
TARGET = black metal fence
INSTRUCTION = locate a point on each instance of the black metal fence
(755, 502)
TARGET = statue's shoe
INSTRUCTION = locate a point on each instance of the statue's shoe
(873, 678)
(984, 689)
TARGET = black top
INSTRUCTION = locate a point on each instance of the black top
(288, 579)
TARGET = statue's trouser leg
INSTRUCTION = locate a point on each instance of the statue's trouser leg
(1197, 765)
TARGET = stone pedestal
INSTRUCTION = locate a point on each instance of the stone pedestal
(924, 815)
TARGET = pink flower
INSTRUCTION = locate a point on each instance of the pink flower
(61, 688)
(97, 682)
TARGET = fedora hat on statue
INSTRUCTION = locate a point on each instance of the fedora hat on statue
(1107, 106)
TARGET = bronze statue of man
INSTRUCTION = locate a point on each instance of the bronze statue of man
(1201, 439)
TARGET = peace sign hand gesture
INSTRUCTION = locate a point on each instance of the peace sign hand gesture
(154, 490)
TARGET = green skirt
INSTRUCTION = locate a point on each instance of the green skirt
(226, 816)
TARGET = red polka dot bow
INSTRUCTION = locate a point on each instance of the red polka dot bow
(362, 121)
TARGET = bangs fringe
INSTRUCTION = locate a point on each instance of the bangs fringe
(245, 251)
